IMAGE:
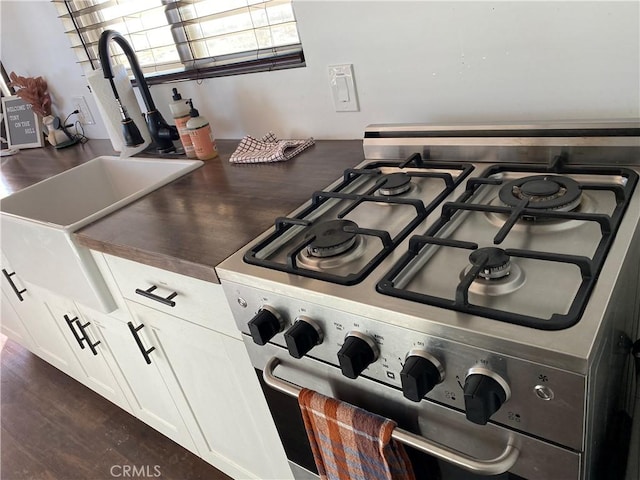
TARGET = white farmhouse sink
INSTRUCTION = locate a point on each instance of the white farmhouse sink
(37, 222)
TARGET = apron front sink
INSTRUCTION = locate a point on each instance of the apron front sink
(37, 222)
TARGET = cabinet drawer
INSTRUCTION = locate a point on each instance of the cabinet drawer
(191, 299)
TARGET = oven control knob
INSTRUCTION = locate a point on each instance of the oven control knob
(357, 353)
(420, 373)
(484, 393)
(265, 325)
(302, 336)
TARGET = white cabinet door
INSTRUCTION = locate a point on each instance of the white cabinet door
(33, 320)
(233, 428)
(12, 326)
(89, 346)
(148, 395)
(48, 339)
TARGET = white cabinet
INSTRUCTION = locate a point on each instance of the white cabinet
(89, 346)
(12, 326)
(231, 423)
(53, 328)
(148, 395)
(47, 339)
(169, 353)
(203, 362)
(185, 297)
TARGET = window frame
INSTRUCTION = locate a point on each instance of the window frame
(268, 59)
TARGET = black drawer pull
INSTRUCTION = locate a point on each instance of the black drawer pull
(85, 337)
(165, 301)
(70, 322)
(13, 285)
(136, 337)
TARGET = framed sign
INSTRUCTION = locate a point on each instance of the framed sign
(23, 126)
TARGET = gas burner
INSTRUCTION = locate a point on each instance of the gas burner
(531, 225)
(544, 192)
(326, 264)
(331, 238)
(497, 264)
(394, 184)
(498, 277)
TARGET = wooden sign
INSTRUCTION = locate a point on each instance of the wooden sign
(23, 126)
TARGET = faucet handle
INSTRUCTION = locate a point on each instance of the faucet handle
(131, 133)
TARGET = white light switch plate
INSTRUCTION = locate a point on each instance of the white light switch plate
(343, 88)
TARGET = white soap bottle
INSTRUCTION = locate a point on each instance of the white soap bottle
(201, 135)
(180, 113)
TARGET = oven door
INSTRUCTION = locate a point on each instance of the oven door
(536, 460)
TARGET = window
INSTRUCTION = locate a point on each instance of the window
(187, 39)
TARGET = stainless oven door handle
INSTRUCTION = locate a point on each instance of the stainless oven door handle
(495, 466)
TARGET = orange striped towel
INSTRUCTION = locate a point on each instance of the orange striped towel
(349, 443)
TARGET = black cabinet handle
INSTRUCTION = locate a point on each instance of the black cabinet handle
(136, 337)
(85, 337)
(70, 322)
(165, 301)
(13, 285)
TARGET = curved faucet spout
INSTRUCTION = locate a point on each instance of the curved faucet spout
(162, 133)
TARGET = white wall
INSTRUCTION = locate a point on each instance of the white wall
(33, 43)
(414, 61)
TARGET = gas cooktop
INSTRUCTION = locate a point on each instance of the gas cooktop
(517, 233)
(468, 230)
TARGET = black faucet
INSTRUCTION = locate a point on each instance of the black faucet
(162, 133)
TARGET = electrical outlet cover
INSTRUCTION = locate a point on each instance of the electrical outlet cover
(84, 114)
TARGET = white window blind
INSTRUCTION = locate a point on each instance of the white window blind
(176, 39)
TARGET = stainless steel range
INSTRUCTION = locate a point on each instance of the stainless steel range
(477, 284)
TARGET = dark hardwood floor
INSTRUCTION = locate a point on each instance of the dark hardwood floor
(54, 428)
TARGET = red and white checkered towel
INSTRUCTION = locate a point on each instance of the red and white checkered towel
(268, 149)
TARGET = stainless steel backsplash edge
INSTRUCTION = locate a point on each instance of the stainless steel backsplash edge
(613, 143)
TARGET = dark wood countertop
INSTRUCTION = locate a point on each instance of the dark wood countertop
(195, 222)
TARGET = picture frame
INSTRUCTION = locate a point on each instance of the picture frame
(23, 126)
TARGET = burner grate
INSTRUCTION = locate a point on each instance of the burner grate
(387, 242)
(589, 267)
(377, 172)
(461, 302)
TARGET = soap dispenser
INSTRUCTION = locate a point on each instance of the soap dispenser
(180, 112)
(201, 135)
